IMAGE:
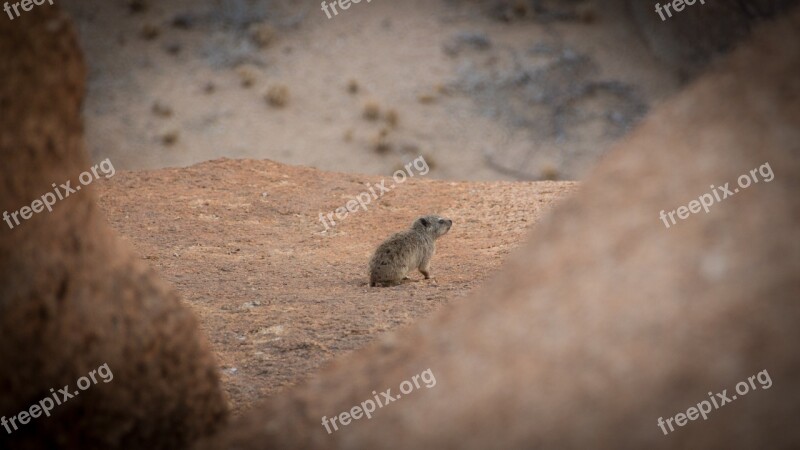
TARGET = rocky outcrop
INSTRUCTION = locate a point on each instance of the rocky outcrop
(690, 38)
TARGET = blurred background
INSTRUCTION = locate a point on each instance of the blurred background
(484, 90)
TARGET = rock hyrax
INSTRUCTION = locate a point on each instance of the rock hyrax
(407, 250)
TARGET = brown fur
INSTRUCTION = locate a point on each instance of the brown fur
(407, 250)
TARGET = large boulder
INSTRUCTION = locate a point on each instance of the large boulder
(74, 301)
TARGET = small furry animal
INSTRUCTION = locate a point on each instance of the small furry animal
(407, 250)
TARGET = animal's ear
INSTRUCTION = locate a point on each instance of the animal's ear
(424, 222)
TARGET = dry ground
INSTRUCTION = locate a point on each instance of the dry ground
(241, 242)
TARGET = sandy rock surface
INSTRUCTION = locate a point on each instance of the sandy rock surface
(242, 243)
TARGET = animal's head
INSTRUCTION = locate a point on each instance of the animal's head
(434, 225)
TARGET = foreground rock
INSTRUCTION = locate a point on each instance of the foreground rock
(608, 320)
(73, 298)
